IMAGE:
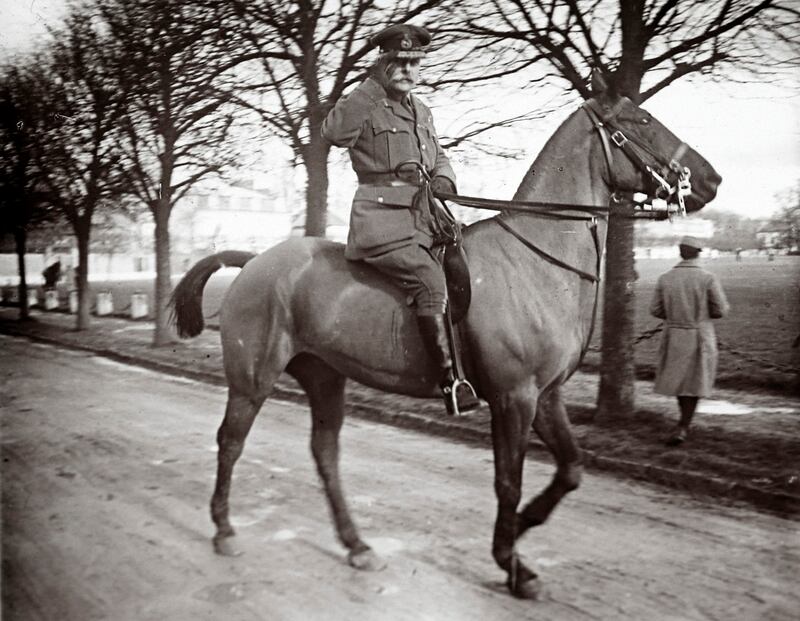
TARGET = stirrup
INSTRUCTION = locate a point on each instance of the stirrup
(459, 393)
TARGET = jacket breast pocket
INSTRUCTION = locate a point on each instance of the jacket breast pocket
(392, 143)
(429, 146)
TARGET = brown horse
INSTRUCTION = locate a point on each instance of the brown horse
(300, 307)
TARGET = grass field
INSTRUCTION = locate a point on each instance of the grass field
(755, 339)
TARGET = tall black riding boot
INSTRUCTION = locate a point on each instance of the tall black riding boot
(434, 335)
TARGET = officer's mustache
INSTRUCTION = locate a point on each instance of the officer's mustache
(404, 74)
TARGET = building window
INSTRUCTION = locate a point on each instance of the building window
(202, 201)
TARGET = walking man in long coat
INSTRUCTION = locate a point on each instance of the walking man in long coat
(687, 297)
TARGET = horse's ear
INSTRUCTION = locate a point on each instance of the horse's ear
(599, 84)
(603, 86)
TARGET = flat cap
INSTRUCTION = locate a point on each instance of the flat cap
(691, 242)
(407, 40)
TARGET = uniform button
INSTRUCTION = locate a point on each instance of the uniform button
(380, 199)
(394, 130)
(423, 147)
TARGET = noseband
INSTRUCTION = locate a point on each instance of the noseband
(610, 132)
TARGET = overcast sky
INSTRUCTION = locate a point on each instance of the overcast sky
(750, 133)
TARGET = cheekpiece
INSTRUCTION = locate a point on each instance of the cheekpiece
(406, 40)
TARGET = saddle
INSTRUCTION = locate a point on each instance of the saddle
(446, 232)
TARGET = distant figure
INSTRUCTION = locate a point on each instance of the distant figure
(687, 297)
(52, 274)
(738, 254)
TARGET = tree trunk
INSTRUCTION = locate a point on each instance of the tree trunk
(616, 395)
(163, 288)
(617, 369)
(21, 241)
(316, 161)
(82, 276)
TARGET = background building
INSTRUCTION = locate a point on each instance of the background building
(216, 215)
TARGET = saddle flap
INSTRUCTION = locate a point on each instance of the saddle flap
(459, 287)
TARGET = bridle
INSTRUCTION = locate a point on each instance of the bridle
(610, 133)
(654, 166)
(670, 180)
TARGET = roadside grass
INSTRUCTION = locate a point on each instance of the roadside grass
(756, 339)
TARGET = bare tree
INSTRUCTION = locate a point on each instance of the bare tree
(76, 143)
(299, 58)
(644, 46)
(176, 129)
(24, 203)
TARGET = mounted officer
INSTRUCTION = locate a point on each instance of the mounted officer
(396, 225)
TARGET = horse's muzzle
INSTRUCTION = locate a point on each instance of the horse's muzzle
(702, 193)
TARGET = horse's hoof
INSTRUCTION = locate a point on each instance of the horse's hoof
(225, 546)
(366, 560)
(530, 589)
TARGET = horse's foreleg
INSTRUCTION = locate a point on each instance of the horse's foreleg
(511, 422)
(552, 426)
(325, 389)
(239, 416)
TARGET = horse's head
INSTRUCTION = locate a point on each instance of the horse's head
(644, 156)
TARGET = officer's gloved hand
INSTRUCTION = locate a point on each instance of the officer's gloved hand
(381, 70)
(443, 185)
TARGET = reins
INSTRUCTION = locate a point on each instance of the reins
(608, 133)
(535, 207)
(550, 258)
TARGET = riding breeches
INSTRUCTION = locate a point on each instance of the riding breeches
(415, 269)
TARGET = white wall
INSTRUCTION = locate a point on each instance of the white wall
(9, 274)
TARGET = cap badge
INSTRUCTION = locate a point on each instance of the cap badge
(405, 42)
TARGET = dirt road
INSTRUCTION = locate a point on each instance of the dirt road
(107, 471)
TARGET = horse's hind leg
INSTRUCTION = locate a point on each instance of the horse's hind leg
(239, 416)
(325, 389)
(512, 415)
(552, 426)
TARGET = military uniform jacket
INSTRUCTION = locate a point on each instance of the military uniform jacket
(380, 134)
(687, 298)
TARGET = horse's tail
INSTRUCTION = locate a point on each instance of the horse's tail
(187, 298)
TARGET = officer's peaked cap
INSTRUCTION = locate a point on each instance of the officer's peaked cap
(407, 40)
(691, 242)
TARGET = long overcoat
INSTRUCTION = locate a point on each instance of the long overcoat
(381, 133)
(688, 297)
